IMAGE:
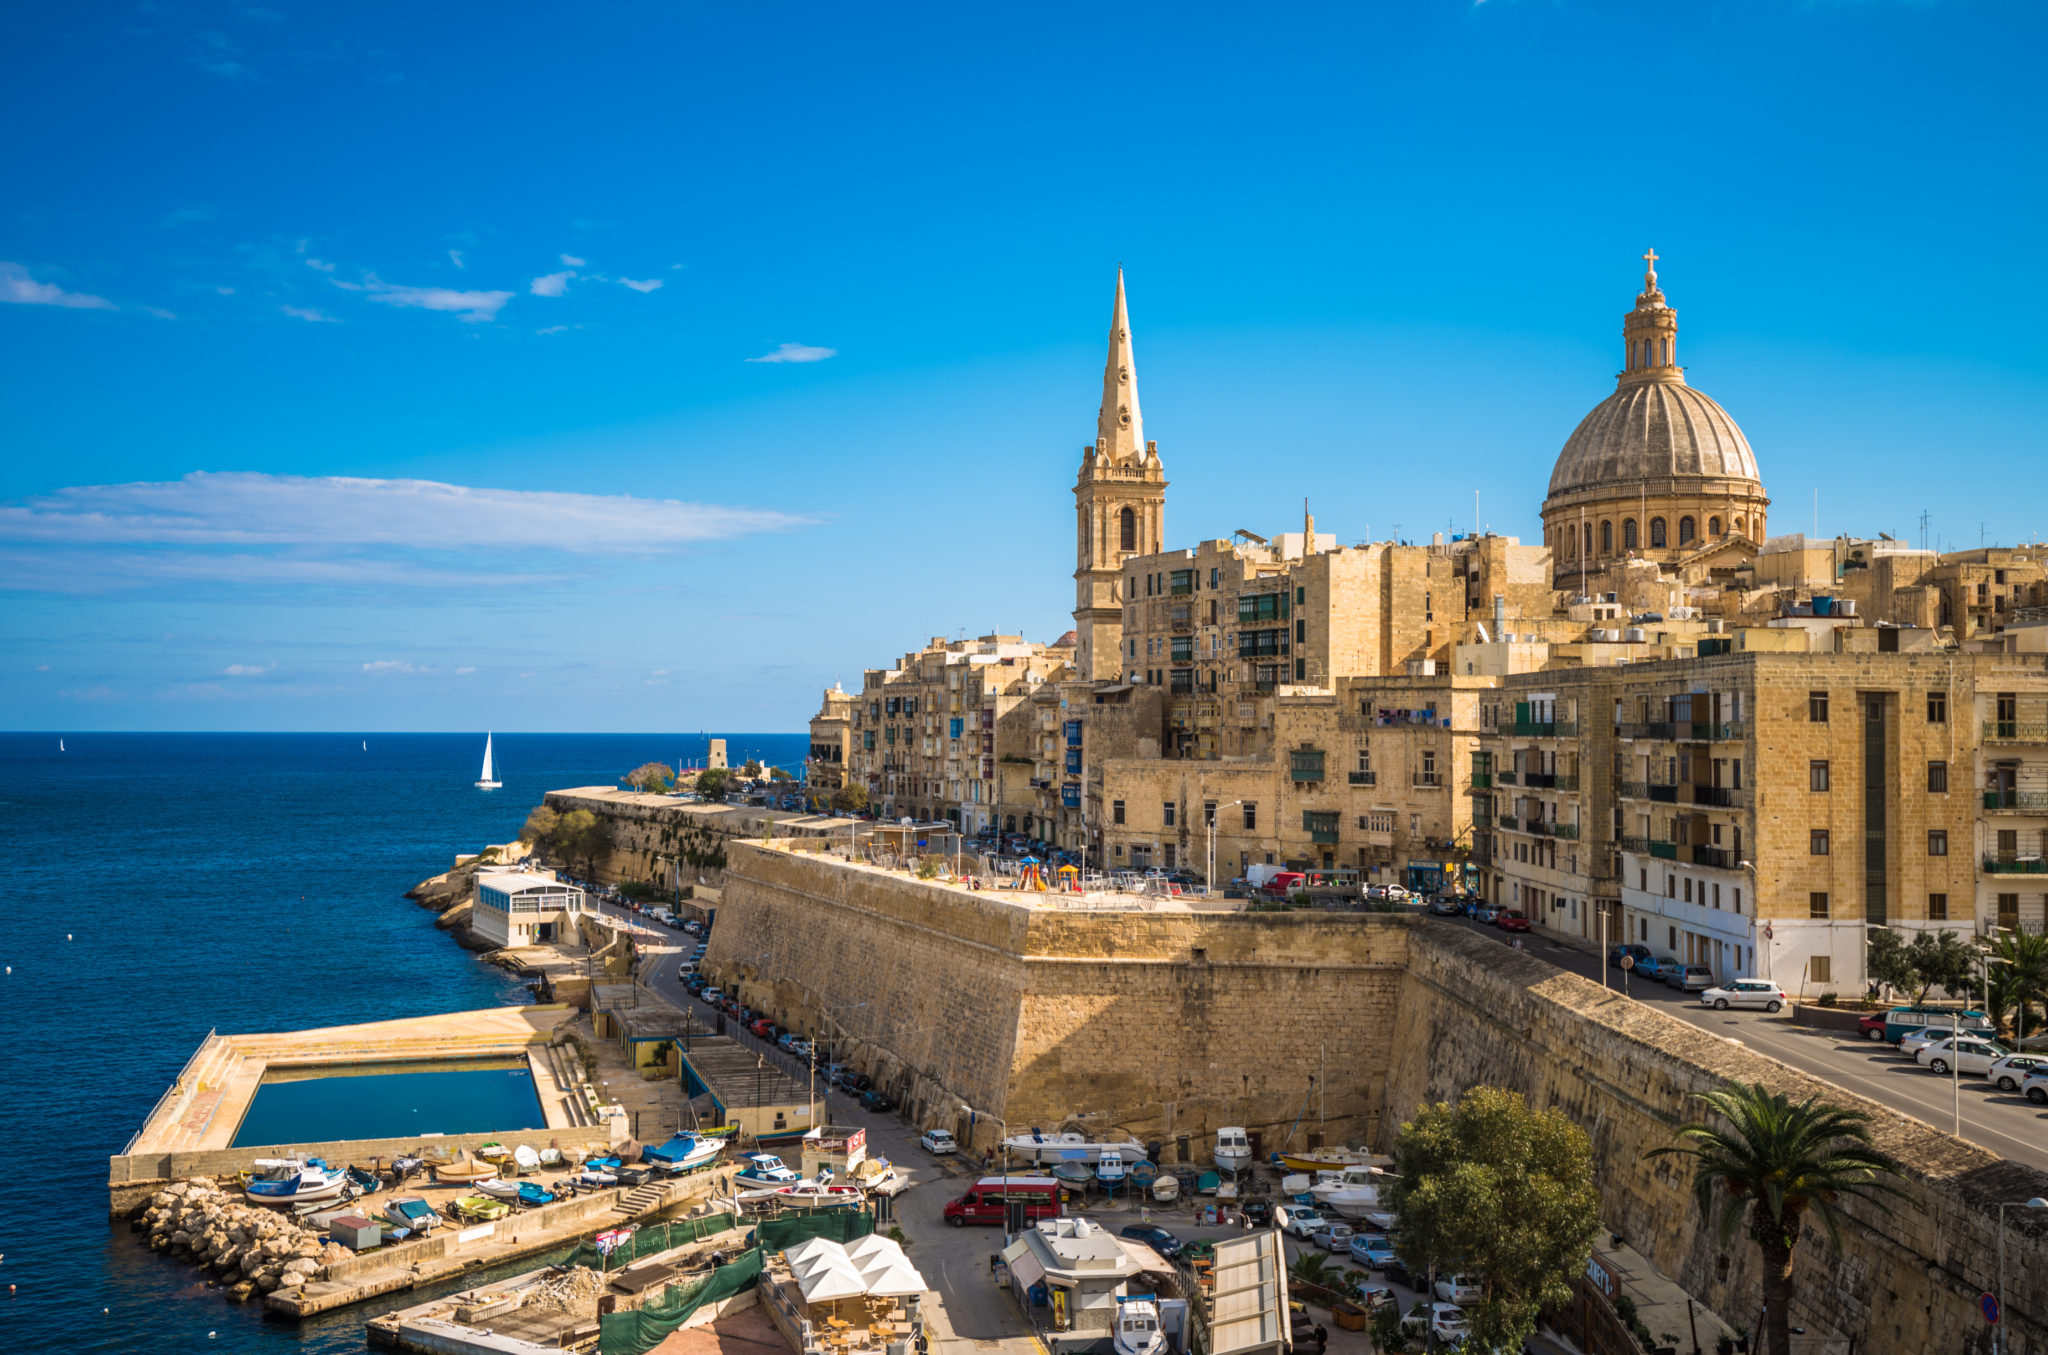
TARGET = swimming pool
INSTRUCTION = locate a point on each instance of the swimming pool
(391, 1101)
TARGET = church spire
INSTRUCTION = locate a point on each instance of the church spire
(1119, 427)
(1650, 333)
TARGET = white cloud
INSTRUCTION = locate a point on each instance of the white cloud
(250, 509)
(572, 261)
(650, 285)
(551, 284)
(384, 666)
(225, 291)
(466, 670)
(557, 329)
(797, 352)
(320, 264)
(309, 314)
(160, 313)
(18, 288)
(42, 668)
(247, 669)
(100, 693)
(455, 257)
(470, 307)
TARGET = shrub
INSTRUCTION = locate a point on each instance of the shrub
(1825, 1000)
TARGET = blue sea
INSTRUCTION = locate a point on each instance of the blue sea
(164, 885)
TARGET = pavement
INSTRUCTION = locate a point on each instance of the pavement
(2004, 1123)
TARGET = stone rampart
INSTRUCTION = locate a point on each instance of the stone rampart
(1905, 1280)
(659, 840)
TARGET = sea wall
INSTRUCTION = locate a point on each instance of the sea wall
(1906, 1279)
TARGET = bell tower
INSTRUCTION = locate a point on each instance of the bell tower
(1119, 506)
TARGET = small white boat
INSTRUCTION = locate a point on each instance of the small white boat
(1166, 1189)
(526, 1159)
(550, 1157)
(1069, 1147)
(683, 1151)
(1137, 1326)
(488, 781)
(1352, 1192)
(1110, 1170)
(288, 1181)
(1296, 1183)
(591, 1176)
(498, 1188)
(412, 1212)
(1233, 1149)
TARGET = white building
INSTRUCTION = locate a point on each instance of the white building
(524, 907)
(1085, 1270)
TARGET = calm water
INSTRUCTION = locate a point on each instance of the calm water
(161, 885)
(388, 1101)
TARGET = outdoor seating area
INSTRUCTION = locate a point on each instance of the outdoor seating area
(859, 1296)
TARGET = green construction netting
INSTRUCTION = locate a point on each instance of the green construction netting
(639, 1331)
(649, 1239)
(790, 1229)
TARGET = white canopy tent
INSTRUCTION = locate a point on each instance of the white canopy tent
(826, 1271)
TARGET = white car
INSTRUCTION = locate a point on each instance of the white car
(937, 1142)
(1744, 993)
(2009, 1072)
(1300, 1220)
(1967, 1055)
(1933, 1035)
(1445, 1321)
(1459, 1289)
(2034, 1086)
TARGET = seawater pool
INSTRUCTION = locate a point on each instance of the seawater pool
(391, 1101)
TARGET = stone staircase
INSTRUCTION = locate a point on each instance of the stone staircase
(642, 1199)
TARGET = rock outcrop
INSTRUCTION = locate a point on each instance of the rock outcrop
(254, 1250)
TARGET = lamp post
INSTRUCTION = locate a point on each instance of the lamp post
(1211, 815)
(2036, 1203)
(1004, 1126)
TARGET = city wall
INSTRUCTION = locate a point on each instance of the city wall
(1173, 1023)
(657, 839)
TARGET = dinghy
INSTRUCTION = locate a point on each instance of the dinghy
(498, 1188)
(411, 1212)
(365, 1180)
(550, 1157)
(464, 1170)
(820, 1196)
(493, 1152)
(533, 1194)
(525, 1159)
(403, 1168)
(1166, 1189)
(590, 1176)
(1206, 1184)
(1143, 1173)
(1074, 1173)
(480, 1209)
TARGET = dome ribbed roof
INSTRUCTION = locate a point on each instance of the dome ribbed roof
(1649, 430)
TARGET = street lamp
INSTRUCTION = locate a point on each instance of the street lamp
(1211, 815)
(2036, 1203)
(1004, 1126)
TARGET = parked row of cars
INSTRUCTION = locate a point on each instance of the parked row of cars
(1949, 1053)
(1375, 1251)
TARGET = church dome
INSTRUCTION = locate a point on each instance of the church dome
(1653, 429)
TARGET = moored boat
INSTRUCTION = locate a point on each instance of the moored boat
(532, 1193)
(480, 1209)
(682, 1152)
(492, 1152)
(1109, 1172)
(1353, 1192)
(1233, 1149)
(817, 1195)
(411, 1212)
(1166, 1189)
(1137, 1326)
(1069, 1147)
(765, 1169)
(591, 1176)
(1330, 1160)
(464, 1170)
(1074, 1173)
(288, 1181)
(498, 1188)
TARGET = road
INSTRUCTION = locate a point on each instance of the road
(2004, 1123)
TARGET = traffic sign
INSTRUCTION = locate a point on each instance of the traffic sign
(1628, 962)
(1989, 1303)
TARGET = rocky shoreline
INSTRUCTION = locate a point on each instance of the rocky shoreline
(254, 1250)
(450, 893)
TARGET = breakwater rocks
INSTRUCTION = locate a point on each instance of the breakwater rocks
(254, 1250)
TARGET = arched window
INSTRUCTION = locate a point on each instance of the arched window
(1738, 525)
(1684, 530)
(1589, 540)
(1657, 533)
(1628, 533)
(1607, 538)
(1713, 527)
(1127, 529)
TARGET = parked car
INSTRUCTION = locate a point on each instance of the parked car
(1658, 967)
(2009, 1072)
(1485, 913)
(762, 1027)
(2034, 1086)
(1332, 1237)
(1283, 883)
(1691, 978)
(1158, 1239)
(937, 1142)
(1437, 907)
(876, 1100)
(1459, 1288)
(1614, 953)
(1512, 921)
(1396, 892)
(1746, 993)
(1967, 1055)
(1397, 1272)
(799, 1047)
(1928, 1036)
(1371, 1250)
(1300, 1220)
(1258, 1213)
(710, 994)
(1445, 1321)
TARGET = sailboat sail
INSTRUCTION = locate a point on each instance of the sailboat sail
(487, 781)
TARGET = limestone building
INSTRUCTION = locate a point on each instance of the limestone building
(1661, 724)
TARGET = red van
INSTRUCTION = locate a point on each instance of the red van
(1284, 883)
(987, 1201)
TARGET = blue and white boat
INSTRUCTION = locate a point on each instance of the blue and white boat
(412, 1213)
(288, 1181)
(765, 1169)
(682, 1152)
(1109, 1172)
(531, 1193)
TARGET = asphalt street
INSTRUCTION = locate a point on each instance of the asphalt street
(2004, 1123)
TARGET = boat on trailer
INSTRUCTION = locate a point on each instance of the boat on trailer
(289, 1181)
(1040, 1147)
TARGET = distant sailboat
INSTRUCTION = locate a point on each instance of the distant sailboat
(60, 745)
(487, 781)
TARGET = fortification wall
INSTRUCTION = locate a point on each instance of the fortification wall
(1905, 1280)
(655, 835)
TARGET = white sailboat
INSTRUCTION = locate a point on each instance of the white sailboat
(487, 781)
(60, 745)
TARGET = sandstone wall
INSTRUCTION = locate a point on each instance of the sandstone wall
(1907, 1280)
(656, 839)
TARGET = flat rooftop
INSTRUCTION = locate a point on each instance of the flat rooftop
(742, 1078)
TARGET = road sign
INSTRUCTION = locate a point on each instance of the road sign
(1989, 1303)
(1628, 962)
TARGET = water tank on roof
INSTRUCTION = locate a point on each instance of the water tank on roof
(1635, 635)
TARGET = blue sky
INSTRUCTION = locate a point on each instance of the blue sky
(653, 366)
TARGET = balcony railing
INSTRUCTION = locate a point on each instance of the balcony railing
(1718, 797)
(1713, 856)
(1568, 831)
(2016, 731)
(1649, 729)
(1544, 729)
(1664, 851)
(2015, 865)
(1324, 835)
(1709, 730)
(1427, 780)
(1484, 780)
(2016, 801)
(1539, 780)
(1509, 776)
(1566, 781)
(1362, 778)
(1510, 822)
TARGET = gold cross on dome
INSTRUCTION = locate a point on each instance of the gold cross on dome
(1651, 259)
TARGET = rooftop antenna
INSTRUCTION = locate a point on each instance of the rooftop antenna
(1923, 529)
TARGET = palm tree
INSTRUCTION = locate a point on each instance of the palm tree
(2026, 961)
(1780, 1160)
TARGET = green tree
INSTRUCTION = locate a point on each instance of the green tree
(2025, 956)
(541, 826)
(1886, 961)
(1930, 961)
(851, 798)
(714, 784)
(654, 776)
(752, 770)
(1492, 1188)
(777, 774)
(1779, 1161)
(580, 834)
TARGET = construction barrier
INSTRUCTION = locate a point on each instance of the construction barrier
(644, 1328)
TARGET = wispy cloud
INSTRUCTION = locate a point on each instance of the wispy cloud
(159, 312)
(213, 53)
(797, 352)
(320, 264)
(455, 257)
(243, 508)
(572, 261)
(248, 669)
(551, 284)
(309, 314)
(649, 285)
(18, 288)
(474, 308)
(383, 667)
(557, 329)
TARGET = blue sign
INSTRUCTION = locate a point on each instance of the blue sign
(1989, 1303)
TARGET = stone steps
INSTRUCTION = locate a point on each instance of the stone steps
(650, 1196)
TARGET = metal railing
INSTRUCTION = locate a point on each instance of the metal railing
(1544, 729)
(1568, 831)
(2016, 731)
(2015, 865)
(2016, 801)
(1361, 778)
(1427, 780)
